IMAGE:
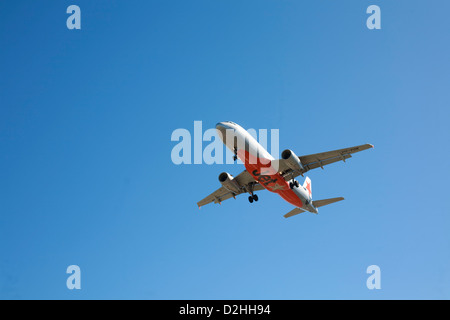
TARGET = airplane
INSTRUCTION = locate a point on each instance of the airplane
(276, 175)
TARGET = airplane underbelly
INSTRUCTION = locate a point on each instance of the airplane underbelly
(272, 181)
(291, 197)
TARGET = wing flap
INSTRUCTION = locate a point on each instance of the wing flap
(335, 155)
(319, 163)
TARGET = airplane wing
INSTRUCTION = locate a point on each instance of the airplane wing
(319, 160)
(245, 182)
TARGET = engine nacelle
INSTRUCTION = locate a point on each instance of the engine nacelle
(292, 160)
(228, 182)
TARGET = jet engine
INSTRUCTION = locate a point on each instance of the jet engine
(292, 160)
(228, 182)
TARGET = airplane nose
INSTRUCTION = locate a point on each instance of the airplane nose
(224, 125)
(221, 129)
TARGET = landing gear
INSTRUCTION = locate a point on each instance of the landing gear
(252, 198)
(235, 154)
(293, 183)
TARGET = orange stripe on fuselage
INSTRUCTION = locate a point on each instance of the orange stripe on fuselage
(270, 179)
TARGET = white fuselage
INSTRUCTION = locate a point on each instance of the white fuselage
(258, 163)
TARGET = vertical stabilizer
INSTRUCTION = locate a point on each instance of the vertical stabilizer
(307, 186)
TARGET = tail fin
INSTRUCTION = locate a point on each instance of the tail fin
(307, 186)
(324, 202)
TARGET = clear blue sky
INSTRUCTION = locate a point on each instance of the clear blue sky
(86, 176)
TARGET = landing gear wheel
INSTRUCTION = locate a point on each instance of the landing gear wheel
(255, 197)
(235, 158)
(296, 183)
(291, 185)
(250, 199)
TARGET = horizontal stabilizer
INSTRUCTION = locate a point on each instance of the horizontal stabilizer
(293, 212)
(324, 202)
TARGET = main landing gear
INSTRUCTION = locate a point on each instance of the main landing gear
(293, 183)
(253, 197)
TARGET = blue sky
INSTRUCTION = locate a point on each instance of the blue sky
(86, 176)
